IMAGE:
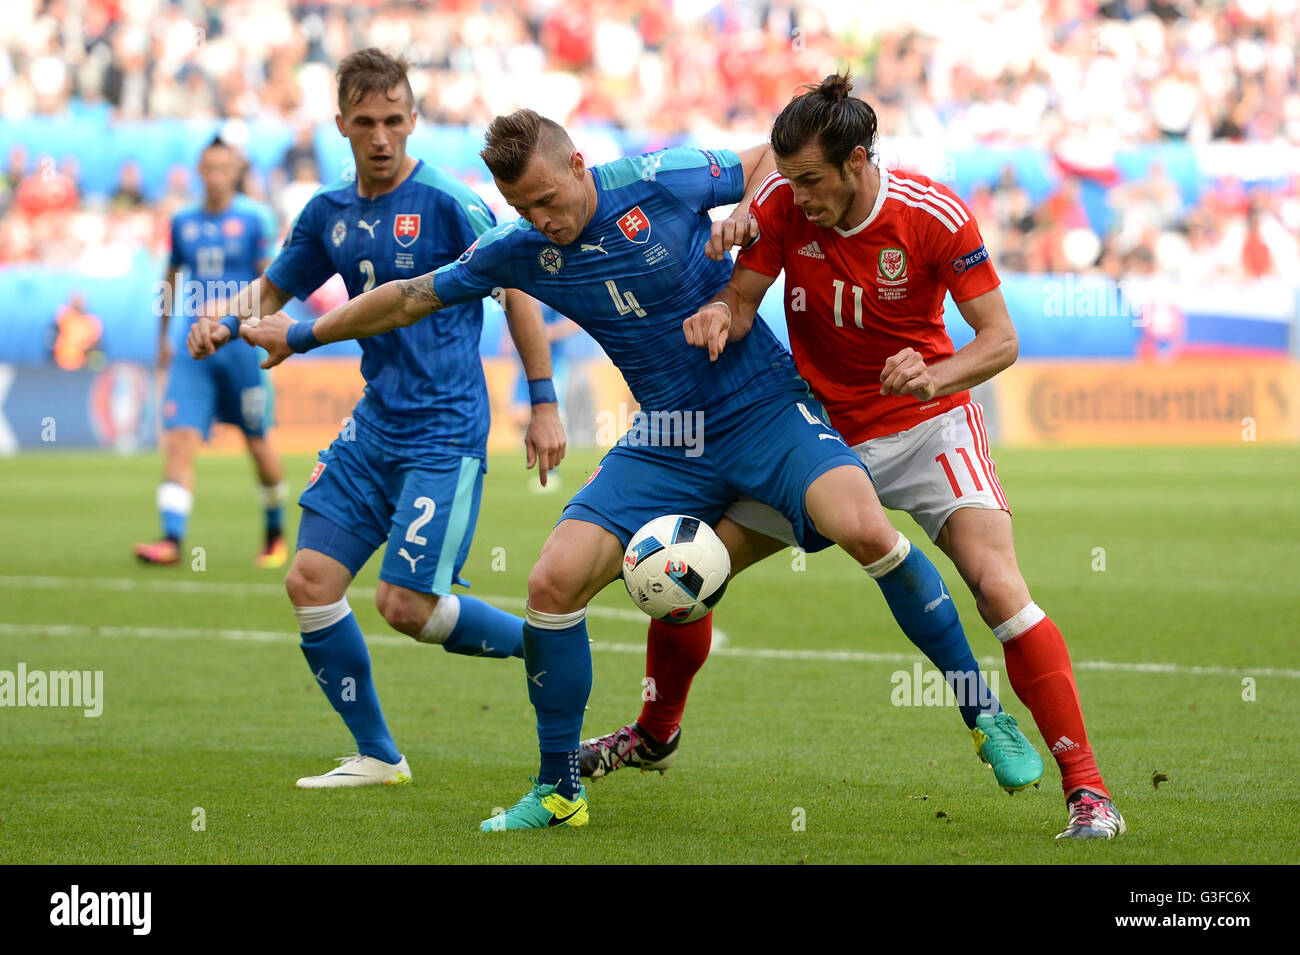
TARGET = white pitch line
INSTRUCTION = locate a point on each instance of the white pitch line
(745, 653)
(218, 588)
(174, 633)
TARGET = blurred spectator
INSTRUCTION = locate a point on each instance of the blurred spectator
(305, 182)
(1261, 245)
(304, 147)
(48, 190)
(76, 334)
(1113, 74)
(10, 177)
(129, 193)
(1081, 79)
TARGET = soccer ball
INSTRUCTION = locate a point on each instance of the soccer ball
(676, 568)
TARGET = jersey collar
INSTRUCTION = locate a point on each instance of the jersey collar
(875, 209)
(401, 186)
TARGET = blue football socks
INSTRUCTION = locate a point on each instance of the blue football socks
(337, 655)
(482, 630)
(921, 604)
(557, 657)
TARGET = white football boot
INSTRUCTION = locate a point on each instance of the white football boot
(357, 770)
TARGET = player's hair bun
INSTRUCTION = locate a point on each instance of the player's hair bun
(827, 113)
(837, 87)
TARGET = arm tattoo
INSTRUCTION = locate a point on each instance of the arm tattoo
(421, 290)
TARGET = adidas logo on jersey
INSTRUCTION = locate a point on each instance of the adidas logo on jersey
(813, 250)
(1064, 745)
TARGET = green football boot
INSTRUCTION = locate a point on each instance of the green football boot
(541, 808)
(1013, 759)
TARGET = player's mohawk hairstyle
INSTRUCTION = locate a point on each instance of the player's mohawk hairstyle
(369, 71)
(512, 140)
(829, 114)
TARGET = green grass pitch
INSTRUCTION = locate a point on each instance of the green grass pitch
(1181, 558)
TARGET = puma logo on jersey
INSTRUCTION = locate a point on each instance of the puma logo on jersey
(813, 250)
(369, 226)
(412, 560)
(598, 247)
(943, 595)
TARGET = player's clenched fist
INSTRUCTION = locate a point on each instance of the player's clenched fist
(206, 336)
(270, 333)
(728, 233)
(708, 328)
(906, 374)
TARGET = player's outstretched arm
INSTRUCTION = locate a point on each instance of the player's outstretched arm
(219, 322)
(544, 438)
(994, 348)
(391, 305)
(730, 315)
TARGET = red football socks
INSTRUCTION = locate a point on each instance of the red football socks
(1038, 665)
(674, 654)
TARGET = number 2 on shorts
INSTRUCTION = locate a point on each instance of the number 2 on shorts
(413, 534)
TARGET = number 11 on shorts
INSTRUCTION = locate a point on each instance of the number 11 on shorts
(952, 478)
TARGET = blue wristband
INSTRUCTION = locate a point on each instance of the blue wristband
(232, 325)
(541, 391)
(301, 338)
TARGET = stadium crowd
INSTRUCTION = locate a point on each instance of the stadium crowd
(1077, 78)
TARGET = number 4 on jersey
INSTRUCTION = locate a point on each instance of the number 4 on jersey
(625, 302)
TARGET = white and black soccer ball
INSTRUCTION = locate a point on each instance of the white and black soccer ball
(676, 568)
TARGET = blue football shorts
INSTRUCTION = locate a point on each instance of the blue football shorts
(770, 449)
(361, 496)
(229, 386)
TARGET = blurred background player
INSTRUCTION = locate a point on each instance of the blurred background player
(873, 252)
(76, 336)
(407, 470)
(219, 246)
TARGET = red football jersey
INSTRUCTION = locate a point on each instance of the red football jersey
(854, 298)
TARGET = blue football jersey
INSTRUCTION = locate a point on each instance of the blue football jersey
(425, 390)
(219, 252)
(634, 274)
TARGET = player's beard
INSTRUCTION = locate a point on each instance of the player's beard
(850, 199)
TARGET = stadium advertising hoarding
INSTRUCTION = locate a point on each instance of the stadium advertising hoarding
(314, 402)
(42, 406)
(1192, 401)
(115, 408)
